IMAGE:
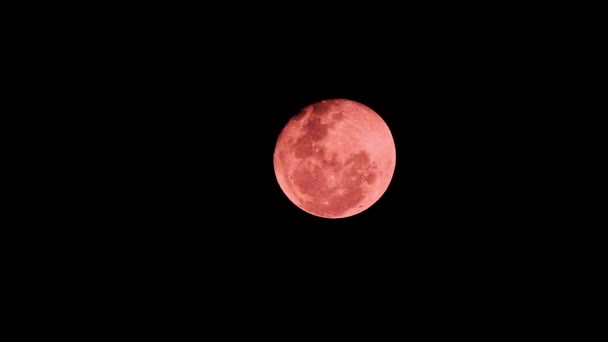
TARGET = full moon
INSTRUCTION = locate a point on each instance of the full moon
(335, 159)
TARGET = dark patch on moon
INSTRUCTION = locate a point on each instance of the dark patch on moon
(338, 116)
(357, 160)
(315, 130)
(303, 147)
(322, 107)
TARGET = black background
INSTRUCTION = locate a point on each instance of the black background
(197, 112)
(201, 124)
(178, 188)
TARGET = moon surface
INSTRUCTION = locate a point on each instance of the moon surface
(335, 159)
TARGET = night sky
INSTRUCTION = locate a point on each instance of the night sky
(214, 169)
(202, 203)
(186, 207)
(203, 118)
(205, 145)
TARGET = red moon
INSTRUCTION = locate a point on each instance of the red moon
(335, 159)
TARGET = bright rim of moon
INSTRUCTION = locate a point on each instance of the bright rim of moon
(335, 159)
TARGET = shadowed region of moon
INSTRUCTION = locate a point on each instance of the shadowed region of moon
(335, 158)
(322, 108)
